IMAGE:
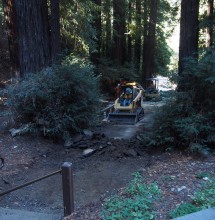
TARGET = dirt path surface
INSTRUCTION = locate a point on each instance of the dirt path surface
(98, 175)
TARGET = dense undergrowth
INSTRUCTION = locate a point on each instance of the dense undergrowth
(134, 202)
(59, 100)
(137, 200)
(203, 198)
(187, 121)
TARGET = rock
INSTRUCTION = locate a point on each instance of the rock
(83, 145)
(88, 152)
(139, 138)
(22, 130)
(117, 138)
(68, 143)
(112, 148)
(76, 138)
(98, 135)
(88, 132)
(76, 141)
(173, 189)
(130, 153)
(181, 188)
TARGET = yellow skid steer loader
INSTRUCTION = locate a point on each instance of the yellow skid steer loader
(128, 107)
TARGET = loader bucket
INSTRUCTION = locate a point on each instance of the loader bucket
(123, 118)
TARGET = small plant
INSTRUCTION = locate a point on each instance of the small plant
(203, 198)
(183, 209)
(203, 175)
(135, 202)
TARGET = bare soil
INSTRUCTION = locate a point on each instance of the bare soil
(99, 175)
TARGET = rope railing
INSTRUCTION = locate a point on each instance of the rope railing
(67, 185)
(29, 183)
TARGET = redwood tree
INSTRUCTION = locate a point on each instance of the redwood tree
(209, 29)
(149, 39)
(129, 38)
(119, 30)
(11, 22)
(95, 55)
(55, 29)
(189, 29)
(137, 50)
(33, 32)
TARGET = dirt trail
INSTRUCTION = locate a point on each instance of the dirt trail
(95, 177)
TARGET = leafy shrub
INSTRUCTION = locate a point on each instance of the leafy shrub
(203, 198)
(188, 119)
(60, 100)
(135, 202)
(183, 209)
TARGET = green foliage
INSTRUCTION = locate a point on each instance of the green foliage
(135, 202)
(202, 199)
(1, 10)
(183, 209)
(188, 119)
(112, 71)
(203, 175)
(163, 54)
(60, 100)
(205, 197)
(77, 31)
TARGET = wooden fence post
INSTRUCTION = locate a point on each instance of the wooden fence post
(67, 182)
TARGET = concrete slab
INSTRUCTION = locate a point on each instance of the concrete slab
(13, 214)
(206, 214)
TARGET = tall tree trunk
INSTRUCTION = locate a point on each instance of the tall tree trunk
(188, 44)
(209, 29)
(34, 48)
(129, 39)
(137, 52)
(119, 29)
(108, 40)
(97, 25)
(55, 29)
(11, 23)
(149, 53)
(145, 37)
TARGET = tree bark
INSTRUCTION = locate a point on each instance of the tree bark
(12, 32)
(108, 36)
(189, 29)
(95, 55)
(149, 41)
(55, 30)
(119, 29)
(33, 32)
(209, 29)
(137, 52)
(129, 39)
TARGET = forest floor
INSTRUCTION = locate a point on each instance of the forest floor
(99, 175)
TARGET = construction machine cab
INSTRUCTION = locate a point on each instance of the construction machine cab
(129, 105)
(152, 91)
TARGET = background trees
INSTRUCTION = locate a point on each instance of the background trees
(123, 32)
(124, 40)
